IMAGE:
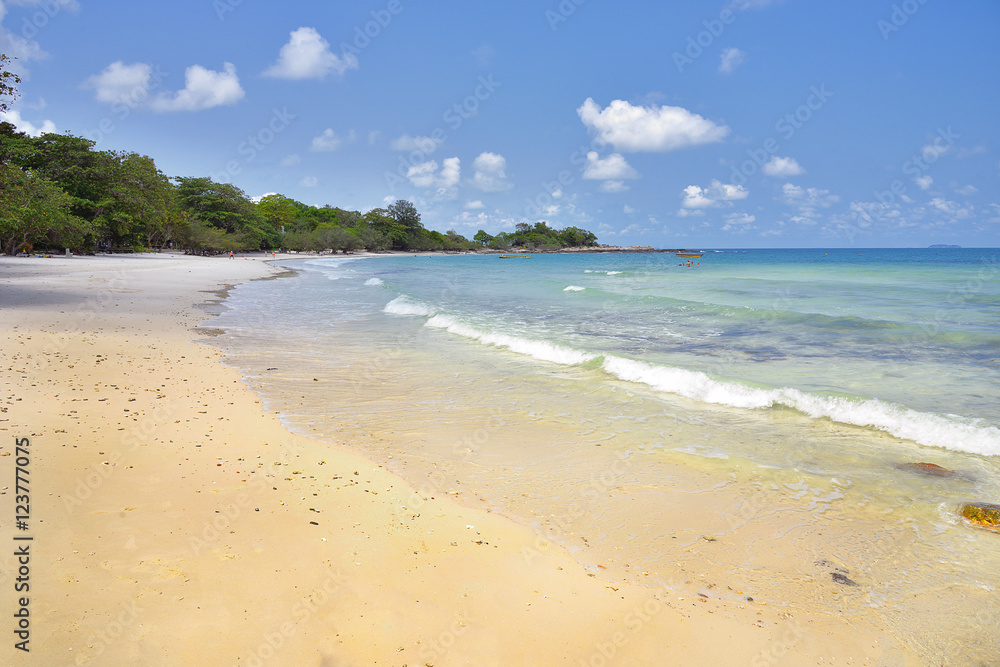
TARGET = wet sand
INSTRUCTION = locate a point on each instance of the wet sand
(174, 522)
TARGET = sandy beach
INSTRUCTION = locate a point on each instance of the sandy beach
(174, 522)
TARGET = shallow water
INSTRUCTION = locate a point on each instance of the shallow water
(743, 425)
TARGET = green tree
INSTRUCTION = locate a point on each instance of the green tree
(138, 204)
(15, 147)
(482, 238)
(35, 211)
(337, 238)
(405, 214)
(576, 237)
(279, 211)
(500, 242)
(72, 163)
(8, 83)
(227, 208)
(382, 221)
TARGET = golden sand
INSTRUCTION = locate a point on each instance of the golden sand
(174, 522)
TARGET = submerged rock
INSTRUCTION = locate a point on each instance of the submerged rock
(929, 469)
(839, 574)
(983, 514)
(841, 579)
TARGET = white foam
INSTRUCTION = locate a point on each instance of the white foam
(533, 348)
(574, 288)
(403, 305)
(614, 273)
(374, 282)
(948, 431)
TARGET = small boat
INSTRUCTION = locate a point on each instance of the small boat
(515, 256)
(690, 254)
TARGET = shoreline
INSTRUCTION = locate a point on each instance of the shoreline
(173, 510)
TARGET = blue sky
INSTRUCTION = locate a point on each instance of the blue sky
(761, 123)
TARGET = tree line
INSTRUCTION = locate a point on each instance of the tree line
(57, 191)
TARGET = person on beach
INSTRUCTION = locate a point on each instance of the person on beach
(230, 254)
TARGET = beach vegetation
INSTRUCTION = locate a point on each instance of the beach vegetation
(226, 208)
(34, 211)
(58, 191)
(538, 236)
(8, 83)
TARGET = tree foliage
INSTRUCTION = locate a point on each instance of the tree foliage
(538, 236)
(8, 83)
(226, 208)
(35, 211)
(58, 191)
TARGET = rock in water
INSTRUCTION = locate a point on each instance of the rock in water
(983, 514)
(930, 469)
(841, 579)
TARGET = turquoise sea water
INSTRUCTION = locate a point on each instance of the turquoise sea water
(906, 341)
(568, 391)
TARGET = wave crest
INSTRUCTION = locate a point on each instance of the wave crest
(947, 431)
(403, 305)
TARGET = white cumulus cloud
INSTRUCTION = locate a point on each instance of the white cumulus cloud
(739, 222)
(716, 194)
(445, 181)
(730, 60)
(22, 47)
(13, 117)
(653, 129)
(924, 182)
(614, 167)
(307, 56)
(119, 82)
(327, 142)
(809, 197)
(952, 209)
(807, 200)
(203, 89)
(613, 186)
(783, 167)
(491, 173)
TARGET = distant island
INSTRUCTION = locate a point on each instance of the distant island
(943, 245)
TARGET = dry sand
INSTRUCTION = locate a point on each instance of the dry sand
(175, 523)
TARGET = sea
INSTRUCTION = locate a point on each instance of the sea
(801, 427)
